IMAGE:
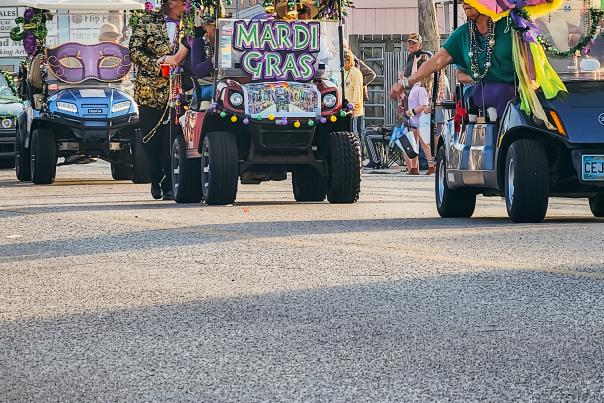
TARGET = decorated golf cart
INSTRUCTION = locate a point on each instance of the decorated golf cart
(550, 139)
(77, 88)
(278, 107)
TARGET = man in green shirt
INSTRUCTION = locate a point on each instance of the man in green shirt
(482, 51)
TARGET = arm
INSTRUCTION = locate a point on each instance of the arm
(368, 73)
(139, 54)
(177, 59)
(463, 77)
(437, 62)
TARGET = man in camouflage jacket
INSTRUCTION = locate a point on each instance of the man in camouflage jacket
(149, 45)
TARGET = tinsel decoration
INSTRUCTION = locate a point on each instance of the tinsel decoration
(594, 16)
(31, 29)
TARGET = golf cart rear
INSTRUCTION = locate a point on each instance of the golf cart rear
(526, 159)
(78, 89)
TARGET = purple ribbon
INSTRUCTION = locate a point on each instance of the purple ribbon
(528, 30)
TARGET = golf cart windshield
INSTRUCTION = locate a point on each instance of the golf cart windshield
(563, 30)
(88, 45)
(279, 50)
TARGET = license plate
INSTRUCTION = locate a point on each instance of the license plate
(592, 167)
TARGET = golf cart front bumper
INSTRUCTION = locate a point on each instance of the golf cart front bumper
(7, 142)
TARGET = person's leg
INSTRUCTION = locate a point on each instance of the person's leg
(414, 170)
(169, 132)
(148, 119)
(427, 152)
(495, 95)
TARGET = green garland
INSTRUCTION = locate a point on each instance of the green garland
(37, 25)
(594, 15)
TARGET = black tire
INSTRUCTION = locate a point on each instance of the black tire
(22, 160)
(596, 205)
(186, 174)
(526, 193)
(140, 161)
(219, 168)
(344, 168)
(7, 163)
(121, 171)
(309, 185)
(458, 203)
(43, 148)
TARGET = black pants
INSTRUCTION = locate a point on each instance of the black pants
(159, 147)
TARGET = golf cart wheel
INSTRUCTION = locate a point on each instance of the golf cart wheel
(308, 184)
(22, 160)
(526, 182)
(596, 205)
(140, 161)
(43, 156)
(219, 168)
(458, 203)
(121, 172)
(344, 168)
(186, 174)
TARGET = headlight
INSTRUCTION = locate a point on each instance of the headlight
(236, 99)
(330, 100)
(121, 106)
(7, 123)
(67, 107)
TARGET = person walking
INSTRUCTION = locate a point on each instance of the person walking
(156, 36)
(419, 103)
(353, 92)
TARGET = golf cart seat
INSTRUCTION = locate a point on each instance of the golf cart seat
(34, 74)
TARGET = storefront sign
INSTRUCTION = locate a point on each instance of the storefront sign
(278, 50)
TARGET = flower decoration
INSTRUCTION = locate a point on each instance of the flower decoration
(31, 29)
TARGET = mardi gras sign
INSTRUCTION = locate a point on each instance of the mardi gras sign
(278, 50)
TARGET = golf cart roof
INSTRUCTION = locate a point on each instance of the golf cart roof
(83, 4)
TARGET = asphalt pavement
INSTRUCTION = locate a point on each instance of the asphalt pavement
(108, 295)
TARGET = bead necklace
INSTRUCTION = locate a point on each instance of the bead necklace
(475, 49)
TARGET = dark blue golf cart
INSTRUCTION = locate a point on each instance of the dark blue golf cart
(519, 158)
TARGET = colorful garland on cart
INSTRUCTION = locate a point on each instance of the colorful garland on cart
(31, 29)
(9, 81)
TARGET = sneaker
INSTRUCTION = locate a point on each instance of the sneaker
(156, 191)
(169, 195)
(366, 162)
(431, 170)
(414, 171)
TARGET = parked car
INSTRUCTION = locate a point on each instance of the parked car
(10, 108)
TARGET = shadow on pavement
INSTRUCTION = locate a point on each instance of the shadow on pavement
(217, 233)
(472, 337)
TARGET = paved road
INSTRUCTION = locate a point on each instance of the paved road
(107, 295)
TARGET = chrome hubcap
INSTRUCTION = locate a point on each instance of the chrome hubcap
(441, 180)
(205, 167)
(511, 181)
(176, 169)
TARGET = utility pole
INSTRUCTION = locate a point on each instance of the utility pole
(428, 28)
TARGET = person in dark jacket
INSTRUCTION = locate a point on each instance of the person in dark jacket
(154, 37)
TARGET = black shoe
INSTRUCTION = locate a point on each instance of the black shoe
(156, 191)
(169, 195)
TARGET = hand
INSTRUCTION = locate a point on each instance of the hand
(198, 21)
(427, 109)
(171, 60)
(160, 60)
(396, 91)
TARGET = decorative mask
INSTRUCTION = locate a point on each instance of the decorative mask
(74, 63)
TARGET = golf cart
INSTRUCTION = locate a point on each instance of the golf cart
(278, 108)
(10, 108)
(524, 159)
(77, 89)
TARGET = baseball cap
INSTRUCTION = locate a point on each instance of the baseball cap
(414, 37)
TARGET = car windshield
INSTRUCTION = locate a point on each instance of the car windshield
(87, 27)
(563, 30)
